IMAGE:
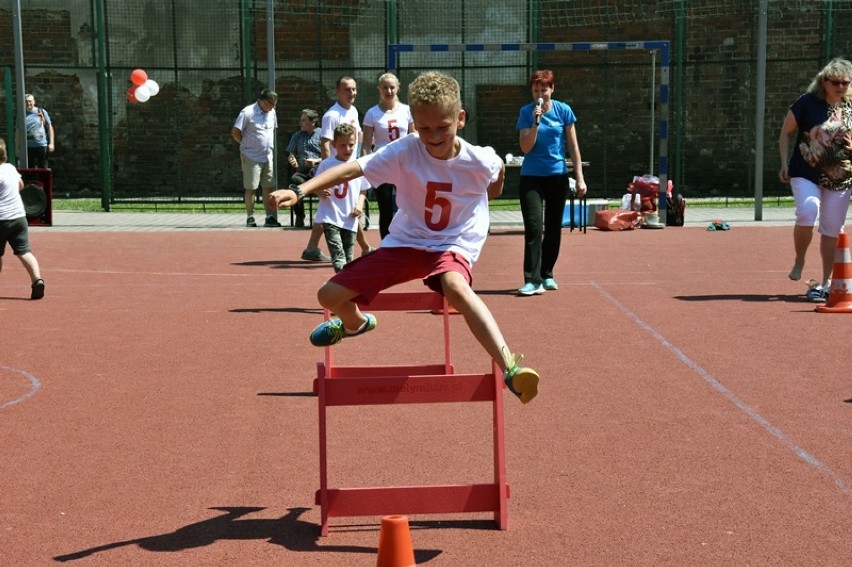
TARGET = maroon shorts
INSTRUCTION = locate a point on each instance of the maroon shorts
(387, 267)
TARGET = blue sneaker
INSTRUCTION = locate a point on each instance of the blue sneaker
(521, 381)
(531, 289)
(817, 294)
(550, 284)
(332, 332)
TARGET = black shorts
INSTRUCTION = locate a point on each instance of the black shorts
(16, 233)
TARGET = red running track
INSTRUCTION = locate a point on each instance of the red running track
(155, 407)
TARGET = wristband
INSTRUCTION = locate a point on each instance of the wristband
(298, 191)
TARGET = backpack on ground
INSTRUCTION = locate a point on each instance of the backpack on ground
(675, 209)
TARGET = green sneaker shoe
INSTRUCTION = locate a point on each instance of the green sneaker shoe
(521, 381)
(332, 332)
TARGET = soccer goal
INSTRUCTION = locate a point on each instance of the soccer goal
(394, 51)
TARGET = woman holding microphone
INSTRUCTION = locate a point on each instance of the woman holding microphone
(546, 130)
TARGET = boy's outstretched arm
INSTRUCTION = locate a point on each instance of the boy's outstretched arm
(496, 188)
(315, 185)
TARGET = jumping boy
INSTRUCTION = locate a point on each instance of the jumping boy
(339, 211)
(443, 187)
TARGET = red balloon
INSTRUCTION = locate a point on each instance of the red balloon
(138, 77)
(131, 95)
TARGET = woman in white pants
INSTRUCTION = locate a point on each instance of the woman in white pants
(819, 170)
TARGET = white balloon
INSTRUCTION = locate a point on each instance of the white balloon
(152, 86)
(142, 93)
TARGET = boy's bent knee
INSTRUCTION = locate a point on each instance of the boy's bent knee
(331, 295)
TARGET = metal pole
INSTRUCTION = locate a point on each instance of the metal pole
(759, 112)
(103, 111)
(653, 98)
(20, 83)
(10, 115)
(270, 67)
(677, 173)
(246, 29)
(829, 31)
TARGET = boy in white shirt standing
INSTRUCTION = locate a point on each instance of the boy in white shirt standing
(342, 205)
(443, 187)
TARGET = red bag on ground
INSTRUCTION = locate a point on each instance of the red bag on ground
(616, 219)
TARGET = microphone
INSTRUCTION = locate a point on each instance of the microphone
(538, 104)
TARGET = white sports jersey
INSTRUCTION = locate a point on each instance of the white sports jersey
(443, 204)
(334, 117)
(337, 209)
(388, 126)
(11, 204)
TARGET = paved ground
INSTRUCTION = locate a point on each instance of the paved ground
(156, 406)
(73, 221)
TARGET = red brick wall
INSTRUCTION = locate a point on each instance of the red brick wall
(179, 143)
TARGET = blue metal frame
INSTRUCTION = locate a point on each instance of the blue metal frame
(662, 46)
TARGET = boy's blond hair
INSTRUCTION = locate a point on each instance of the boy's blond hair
(435, 88)
(344, 131)
(3, 155)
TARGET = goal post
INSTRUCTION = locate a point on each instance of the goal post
(394, 51)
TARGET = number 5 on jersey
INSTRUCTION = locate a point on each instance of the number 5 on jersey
(437, 206)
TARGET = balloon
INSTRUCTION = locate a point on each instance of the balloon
(142, 93)
(152, 86)
(131, 95)
(138, 77)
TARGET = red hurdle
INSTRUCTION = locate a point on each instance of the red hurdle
(338, 385)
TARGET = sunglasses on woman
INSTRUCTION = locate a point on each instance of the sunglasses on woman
(837, 83)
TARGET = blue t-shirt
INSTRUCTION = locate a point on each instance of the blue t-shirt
(809, 111)
(547, 156)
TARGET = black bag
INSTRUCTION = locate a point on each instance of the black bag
(675, 209)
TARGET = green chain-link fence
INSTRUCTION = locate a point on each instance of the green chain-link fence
(211, 58)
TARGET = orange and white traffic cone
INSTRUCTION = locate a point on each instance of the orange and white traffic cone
(395, 548)
(840, 294)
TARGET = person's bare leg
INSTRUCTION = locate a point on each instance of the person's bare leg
(338, 300)
(802, 236)
(37, 284)
(316, 234)
(478, 317)
(249, 200)
(522, 381)
(827, 247)
(362, 240)
(31, 264)
(268, 211)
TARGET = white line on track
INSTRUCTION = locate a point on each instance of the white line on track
(752, 414)
(35, 385)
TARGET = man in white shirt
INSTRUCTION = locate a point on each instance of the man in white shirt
(254, 131)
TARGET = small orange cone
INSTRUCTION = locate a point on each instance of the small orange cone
(395, 549)
(840, 294)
